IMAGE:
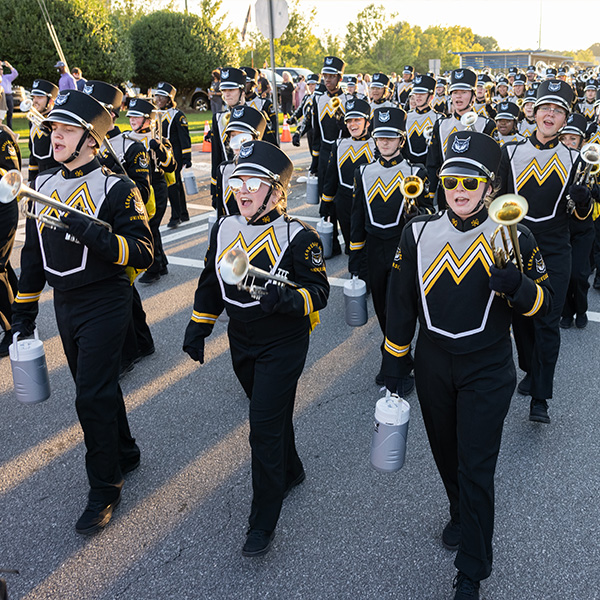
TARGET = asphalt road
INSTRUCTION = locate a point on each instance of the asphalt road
(348, 532)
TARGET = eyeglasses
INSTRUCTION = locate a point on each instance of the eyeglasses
(252, 185)
(552, 109)
(450, 182)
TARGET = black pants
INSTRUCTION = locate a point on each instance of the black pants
(138, 338)
(9, 217)
(10, 108)
(268, 357)
(177, 200)
(582, 241)
(538, 339)
(161, 197)
(464, 400)
(323, 161)
(92, 321)
(596, 249)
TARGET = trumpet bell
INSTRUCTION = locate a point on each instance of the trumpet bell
(10, 186)
(25, 106)
(469, 119)
(411, 186)
(508, 209)
(590, 153)
(234, 266)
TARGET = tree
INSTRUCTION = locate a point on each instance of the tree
(399, 45)
(85, 29)
(181, 48)
(443, 42)
(488, 43)
(363, 33)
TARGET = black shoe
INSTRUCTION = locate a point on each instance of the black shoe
(524, 387)
(148, 277)
(538, 411)
(185, 218)
(294, 483)
(581, 321)
(379, 379)
(174, 223)
(164, 270)
(145, 352)
(466, 588)
(128, 467)
(258, 542)
(96, 516)
(451, 536)
(6, 342)
(406, 385)
(566, 322)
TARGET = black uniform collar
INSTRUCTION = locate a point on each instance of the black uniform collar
(364, 137)
(471, 223)
(457, 116)
(391, 163)
(551, 144)
(251, 95)
(80, 171)
(114, 132)
(269, 217)
(422, 111)
(338, 92)
(380, 101)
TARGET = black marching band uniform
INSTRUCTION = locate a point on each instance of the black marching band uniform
(92, 295)
(403, 88)
(175, 129)
(527, 125)
(250, 125)
(264, 105)
(304, 112)
(40, 147)
(509, 111)
(268, 337)
(464, 370)
(10, 158)
(543, 174)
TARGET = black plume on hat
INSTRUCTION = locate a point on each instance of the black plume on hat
(262, 159)
(76, 108)
(389, 122)
(41, 87)
(246, 118)
(470, 153)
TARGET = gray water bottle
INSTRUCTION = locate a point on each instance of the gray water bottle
(29, 369)
(355, 300)
(325, 231)
(388, 445)
(312, 190)
(189, 181)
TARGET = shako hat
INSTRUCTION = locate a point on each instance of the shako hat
(263, 159)
(108, 95)
(140, 107)
(520, 79)
(388, 122)
(482, 79)
(423, 84)
(408, 69)
(576, 124)
(247, 118)
(76, 108)
(333, 65)
(471, 154)
(312, 78)
(356, 108)
(232, 78)
(462, 79)
(41, 87)
(166, 89)
(551, 72)
(555, 91)
(380, 80)
(507, 110)
(530, 96)
(251, 74)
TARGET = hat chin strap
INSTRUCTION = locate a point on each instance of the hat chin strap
(77, 152)
(262, 207)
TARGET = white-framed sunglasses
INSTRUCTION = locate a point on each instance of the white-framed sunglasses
(252, 185)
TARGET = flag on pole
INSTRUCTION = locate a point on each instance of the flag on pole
(248, 18)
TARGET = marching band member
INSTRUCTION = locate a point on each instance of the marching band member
(92, 292)
(420, 121)
(402, 88)
(518, 89)
(542, 170)
(246, 123)
(587, 107)
(501, 90)
(441, 100)
(380, 92)
(43, 94)
(462, 93)
(380, 211)
(464, 370)
(304, 112)
(527, 125)
(482, 104)
(175, 129)
(10, 158)
(328, 124)
(233, 84)
(507, 122)
(346, 156)
(264, 105)
(530, 74)
(268, 336)
(581, 237)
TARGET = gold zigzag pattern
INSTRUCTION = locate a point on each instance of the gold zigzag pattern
(80, 198)
(418, 129)
(446, 140)
(383, 190)
(354, 154)
(329, 110)
(447, 260)
(265, 241)
(540, 174)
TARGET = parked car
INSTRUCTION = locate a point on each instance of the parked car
(200, 100)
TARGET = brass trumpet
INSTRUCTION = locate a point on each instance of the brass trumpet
(12, 187)
(590, 155)
(468, 120)
(411, 188)
(428, 134)
(32, 114)
(235, 269)
(507, 211)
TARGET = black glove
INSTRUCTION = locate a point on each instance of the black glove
(314, 165)
(23, 325)
(292, 121)
(325, 209)
(208, 136)
(187, 163)
(391, 383)
(269, 301)
(296, 139)
(77, 224)
(193, 342)
(580, 194)
(505, 281)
